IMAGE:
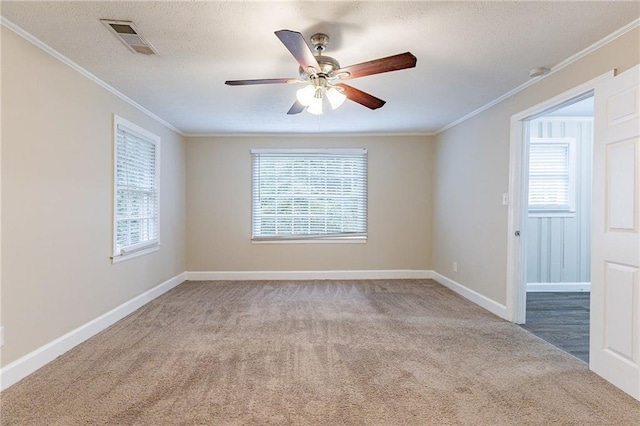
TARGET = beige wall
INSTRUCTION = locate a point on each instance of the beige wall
(472, 171)
(219, 207)
(432, 201)
(57, 201)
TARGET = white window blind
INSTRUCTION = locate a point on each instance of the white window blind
(137, 209)
(551, 180)
(309, 194)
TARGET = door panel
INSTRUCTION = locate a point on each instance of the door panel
(619, 284)
(615, 291)
(622, 107)
(621, 169)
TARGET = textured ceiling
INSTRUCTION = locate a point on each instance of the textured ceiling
(469, 53)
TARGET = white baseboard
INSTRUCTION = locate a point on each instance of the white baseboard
(19, 369)
(477, 298)
(22, 367)
(307, 275)
(558, 287)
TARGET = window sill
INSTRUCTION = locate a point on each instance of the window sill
(133, 255)
(313, 241)
(540, 214)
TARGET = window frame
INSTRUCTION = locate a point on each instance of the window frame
(306, 239)
(146, 247)
(554, 210)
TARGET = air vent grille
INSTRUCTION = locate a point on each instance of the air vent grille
(145, 50)
(126, 32)
(132, 39)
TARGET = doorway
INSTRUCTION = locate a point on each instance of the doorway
(614, 351)
(518, 190)
(557, 227)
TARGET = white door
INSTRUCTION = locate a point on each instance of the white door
(615, 278)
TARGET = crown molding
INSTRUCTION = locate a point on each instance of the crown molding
(570, 60)
(59, 56)
(304, 135)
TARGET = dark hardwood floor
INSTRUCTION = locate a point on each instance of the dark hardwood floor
(561, 319)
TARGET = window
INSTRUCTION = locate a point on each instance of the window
(136, 190)
(309, 194)
(552, 164)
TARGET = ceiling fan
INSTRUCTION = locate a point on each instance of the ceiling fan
(323, 75)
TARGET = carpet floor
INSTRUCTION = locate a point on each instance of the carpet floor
(383, 352)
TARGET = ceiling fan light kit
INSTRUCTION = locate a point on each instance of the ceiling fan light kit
(312, 95)
(323, 75)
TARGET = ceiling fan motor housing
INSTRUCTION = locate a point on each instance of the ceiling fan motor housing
(327, 66)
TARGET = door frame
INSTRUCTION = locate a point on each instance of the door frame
(518, 191)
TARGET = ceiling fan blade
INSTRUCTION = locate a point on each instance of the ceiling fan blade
(260, 81)
(363, 98)
(377, 66)
(296, 108)
(294, 41)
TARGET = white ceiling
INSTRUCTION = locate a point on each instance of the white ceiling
(469, 53)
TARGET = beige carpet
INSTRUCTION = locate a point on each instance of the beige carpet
(390, 352)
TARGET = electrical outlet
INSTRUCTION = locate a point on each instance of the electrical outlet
(505, 199)
(455, 267)
(1, 337)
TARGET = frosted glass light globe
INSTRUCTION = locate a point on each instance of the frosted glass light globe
(336, 97)
(305, 95)
(315, 107)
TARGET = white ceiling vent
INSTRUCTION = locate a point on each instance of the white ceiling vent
(127, 33)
